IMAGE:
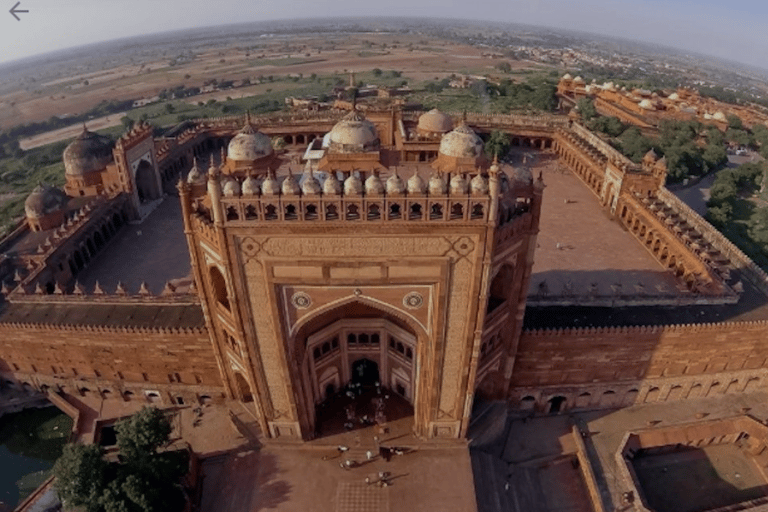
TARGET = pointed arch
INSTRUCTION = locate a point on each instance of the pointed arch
(348, 304)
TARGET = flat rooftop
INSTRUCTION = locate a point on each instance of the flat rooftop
(579, 243)
(150, 315)
(154, 252)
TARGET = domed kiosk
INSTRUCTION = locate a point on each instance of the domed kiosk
(44, 207)
(85, 159)
(249, 149)
(461, 150)
(353, 134)
(352, 144)
(434, 124)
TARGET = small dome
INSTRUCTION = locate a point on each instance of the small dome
(462, 143)
(416, 184)
(249, 144)
(458, 185)
(435, 121)
(43, 200)
(196, 176)
(719, 116)
(331, 185)
(674, 96)
(647, 104)
(290, 186)
(567, 76)
(353, 134)
(309, 184)
(373, 185)
(89, 152)
(250, 186)
(270, 186)
(437, 185)
(230, 187)
(395, 185)
(353, 186)
(479, 185)
(578, 80)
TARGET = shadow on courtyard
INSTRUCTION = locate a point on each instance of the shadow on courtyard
(688, 479)
(244, 481)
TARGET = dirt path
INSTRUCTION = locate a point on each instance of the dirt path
(70, 132)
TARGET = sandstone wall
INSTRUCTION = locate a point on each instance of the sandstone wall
(607, 367)
(172, 362)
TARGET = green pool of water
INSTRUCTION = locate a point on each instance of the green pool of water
(30, 442)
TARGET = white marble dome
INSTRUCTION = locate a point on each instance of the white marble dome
(395, 185)
(196, 176)
(353, 186)
(270, 185)
(310, 186)
(479, 185)
(462, 142)
(331, 185)
(437, 185)
(290, 186)
(374, 186)
(250, 186)
(249, 145)
(458, 184)
(416, 185)
(353, 134)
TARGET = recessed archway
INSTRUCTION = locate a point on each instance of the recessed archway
(351, 355)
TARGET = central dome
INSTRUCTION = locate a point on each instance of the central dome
(89, 152)
(461, 143)
(435, 121)
(353, 134)
(249, 145)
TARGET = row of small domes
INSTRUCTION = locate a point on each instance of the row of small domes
(354, 185)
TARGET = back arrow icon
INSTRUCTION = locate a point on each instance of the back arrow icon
(14, 10)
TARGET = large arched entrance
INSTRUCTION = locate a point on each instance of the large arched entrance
(357, 365)
(146, 182)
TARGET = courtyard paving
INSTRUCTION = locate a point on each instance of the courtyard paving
(579, 243)
(154, 252)
(531, 467)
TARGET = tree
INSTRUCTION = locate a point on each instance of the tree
(80, 475)
(734, 122)
(376, 72)
(587, 109)
(714, 156)
(498, 144)
(170, 108)
(143, 480)
(127, 122)
(634, 145)
(143, 433)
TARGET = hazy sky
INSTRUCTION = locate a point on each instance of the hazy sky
(735, 29)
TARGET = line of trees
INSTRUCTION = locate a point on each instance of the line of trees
(691, 148)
